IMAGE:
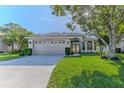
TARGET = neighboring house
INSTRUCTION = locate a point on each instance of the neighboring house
(3, 46)
(121, 45)
(55, 43)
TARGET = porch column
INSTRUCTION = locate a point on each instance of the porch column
(81, 47)
(93, 46)
(85, 46)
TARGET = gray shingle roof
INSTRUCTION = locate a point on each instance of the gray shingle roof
(56, 34)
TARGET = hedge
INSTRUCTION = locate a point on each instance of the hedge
(26, 52)
(67, 51)
(118, 50)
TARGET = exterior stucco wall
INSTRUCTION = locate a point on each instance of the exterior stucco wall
(50, 43)
(121, 45)
(46, 47)
(1, 44)
(30, 43)
(3, 47)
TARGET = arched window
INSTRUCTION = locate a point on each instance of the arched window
(83, 46)
(75, 40)
(89, 45)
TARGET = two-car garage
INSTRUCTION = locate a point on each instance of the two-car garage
(48, 47)
(51, 47)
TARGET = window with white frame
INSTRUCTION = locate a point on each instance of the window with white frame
(89, 45)
(83, 45)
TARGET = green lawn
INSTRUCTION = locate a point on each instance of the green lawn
(4, 57)
(88, 71)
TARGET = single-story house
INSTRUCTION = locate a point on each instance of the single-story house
(55, 43)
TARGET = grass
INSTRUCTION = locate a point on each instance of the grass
(88, 71)
(4, 57)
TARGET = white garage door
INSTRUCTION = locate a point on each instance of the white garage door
(49, 48)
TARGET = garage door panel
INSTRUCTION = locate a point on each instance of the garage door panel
(49, 49)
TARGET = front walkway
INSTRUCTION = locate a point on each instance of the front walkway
(27, 72)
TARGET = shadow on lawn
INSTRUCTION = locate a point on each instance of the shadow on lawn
(96, 79)
(90, 54)
(79, 56)
(121, 69)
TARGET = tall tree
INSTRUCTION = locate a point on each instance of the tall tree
(98, 20)
(15, 35)
(10, 38)
(101, 44)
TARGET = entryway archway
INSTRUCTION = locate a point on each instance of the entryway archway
(75, 45)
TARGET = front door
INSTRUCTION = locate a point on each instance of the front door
(76, 48)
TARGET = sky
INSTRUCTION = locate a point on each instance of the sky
(38, 19)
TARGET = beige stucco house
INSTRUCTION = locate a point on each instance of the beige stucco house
(55, 43)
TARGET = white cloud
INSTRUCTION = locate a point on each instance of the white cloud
(45, 19)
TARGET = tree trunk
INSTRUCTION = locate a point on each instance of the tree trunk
(101, 50)
(112, 44)
(21, 46)
(12, 47)
(18, 46)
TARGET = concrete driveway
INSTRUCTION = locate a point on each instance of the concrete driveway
(27, 72)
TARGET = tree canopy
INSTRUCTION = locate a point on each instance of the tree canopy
(15, 35)
(97, 20)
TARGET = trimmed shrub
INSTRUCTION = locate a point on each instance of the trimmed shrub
(115, 58)
(92, 53)
(67, 51)
(104, 53)
(71, 53)
(118, 50)
(97, 52)
(26, 52)
(21, 53)
(29, 51)
(1, 51)
(14, 51)
(104, 57)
